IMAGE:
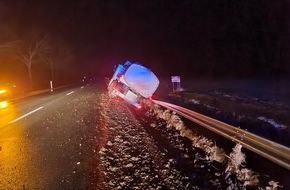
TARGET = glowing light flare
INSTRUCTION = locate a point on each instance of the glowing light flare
(3, 104)
(8, 112)
(2, 91)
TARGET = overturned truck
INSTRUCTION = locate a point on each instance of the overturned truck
(133, 83)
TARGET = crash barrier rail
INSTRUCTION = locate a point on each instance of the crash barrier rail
(270, 150)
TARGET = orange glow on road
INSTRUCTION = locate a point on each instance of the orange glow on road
(15, 158)
(16, 154)
(7, 113)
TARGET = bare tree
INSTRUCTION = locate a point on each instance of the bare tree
(57, 57)
(29, 51)
(52, 58)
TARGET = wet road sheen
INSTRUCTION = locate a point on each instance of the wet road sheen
(50, 141)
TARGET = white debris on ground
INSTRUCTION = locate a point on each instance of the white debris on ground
(198, 141)
(238, 117)
(273, 185)
(130, 159)
(233, 96)
(236, 175)
(236, 170)
(194, 101)
(209, 107)
(272, 122)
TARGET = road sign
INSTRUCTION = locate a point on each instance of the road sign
(175, 78)
(175, 83)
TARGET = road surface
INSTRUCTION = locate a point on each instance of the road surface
(56, 140)
(78, 138)
(49, 141)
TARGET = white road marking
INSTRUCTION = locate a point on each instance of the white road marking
(25, 115)
(70, 93)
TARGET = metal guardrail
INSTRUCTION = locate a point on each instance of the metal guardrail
(275, 152)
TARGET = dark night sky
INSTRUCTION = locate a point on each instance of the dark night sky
(189, 38)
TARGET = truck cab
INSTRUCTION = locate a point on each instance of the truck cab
(133, 82)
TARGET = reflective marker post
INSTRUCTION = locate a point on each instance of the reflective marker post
(51, 86)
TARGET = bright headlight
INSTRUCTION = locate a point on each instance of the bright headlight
(3, 104)
(2, 91)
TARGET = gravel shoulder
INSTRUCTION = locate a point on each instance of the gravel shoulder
(131, 159)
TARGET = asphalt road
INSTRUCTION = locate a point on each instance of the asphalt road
(51, 141)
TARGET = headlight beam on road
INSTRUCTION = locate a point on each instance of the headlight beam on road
(25, 115)
(70, 93)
